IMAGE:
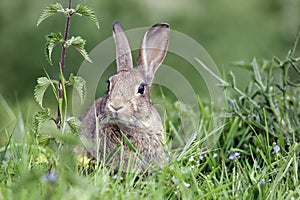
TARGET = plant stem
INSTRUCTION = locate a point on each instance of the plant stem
(67, 27)
(59, 107)
(291, 54)
(62, 68)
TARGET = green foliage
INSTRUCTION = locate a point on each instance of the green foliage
(59, 86)
(80, 10)
(79, 85)
(87, 12)
(39, 118)
(54, 38)
(51, 40)
(57, 38)
(74, 124)
(49, 11)
(78, 43)
(40, 89)
(269, 102)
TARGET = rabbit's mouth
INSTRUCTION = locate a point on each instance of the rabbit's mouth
(121, 119)
(115, 117)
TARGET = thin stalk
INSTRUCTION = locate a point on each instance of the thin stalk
(65, 100)
(61, 88)
(291, 53)
(59, 107)
(67, 27)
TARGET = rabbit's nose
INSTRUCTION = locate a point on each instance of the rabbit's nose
(115, 107)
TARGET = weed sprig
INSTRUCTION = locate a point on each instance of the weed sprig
(59, 87)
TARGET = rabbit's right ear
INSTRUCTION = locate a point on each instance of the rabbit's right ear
(123, 52)
(153, 49)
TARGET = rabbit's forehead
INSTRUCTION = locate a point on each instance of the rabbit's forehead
(127, 79)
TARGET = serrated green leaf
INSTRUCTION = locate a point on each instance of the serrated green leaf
(51, 40)
(40, 89)
(87, 12)
(80, 86)
(39, 118)
(84, 53)
(78, 43)
(74, 124)
(49, 11)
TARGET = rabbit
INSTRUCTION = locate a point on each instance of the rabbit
(125, 112)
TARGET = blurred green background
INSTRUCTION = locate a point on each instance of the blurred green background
(230, 30)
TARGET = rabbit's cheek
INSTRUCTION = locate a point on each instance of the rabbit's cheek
(134, 107)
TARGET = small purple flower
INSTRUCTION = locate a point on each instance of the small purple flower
(115, 176)
(231, 156)
(276, 148)
(51, 176)
(262, 182)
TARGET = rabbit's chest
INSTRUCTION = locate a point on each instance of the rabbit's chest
(116, 136)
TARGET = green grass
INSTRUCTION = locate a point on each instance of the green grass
(256, 155)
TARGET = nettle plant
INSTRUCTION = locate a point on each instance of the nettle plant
(59, 87)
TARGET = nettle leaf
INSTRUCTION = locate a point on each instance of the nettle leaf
(51, 40)
(74, 124)
(79, 85)
(40, 89)
(84, 53)
(39, 118)
(87, 12)
(49, 11)
(78, 43)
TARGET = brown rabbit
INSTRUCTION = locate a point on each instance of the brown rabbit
(125, 111)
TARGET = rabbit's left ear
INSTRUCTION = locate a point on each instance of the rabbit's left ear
(153, 49)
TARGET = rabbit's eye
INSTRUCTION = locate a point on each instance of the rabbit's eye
(108, 86)
(141, 88)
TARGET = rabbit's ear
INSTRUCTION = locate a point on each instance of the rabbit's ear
(123, 52)
(153, 49)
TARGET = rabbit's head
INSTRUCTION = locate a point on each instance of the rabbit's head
(128, 101)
